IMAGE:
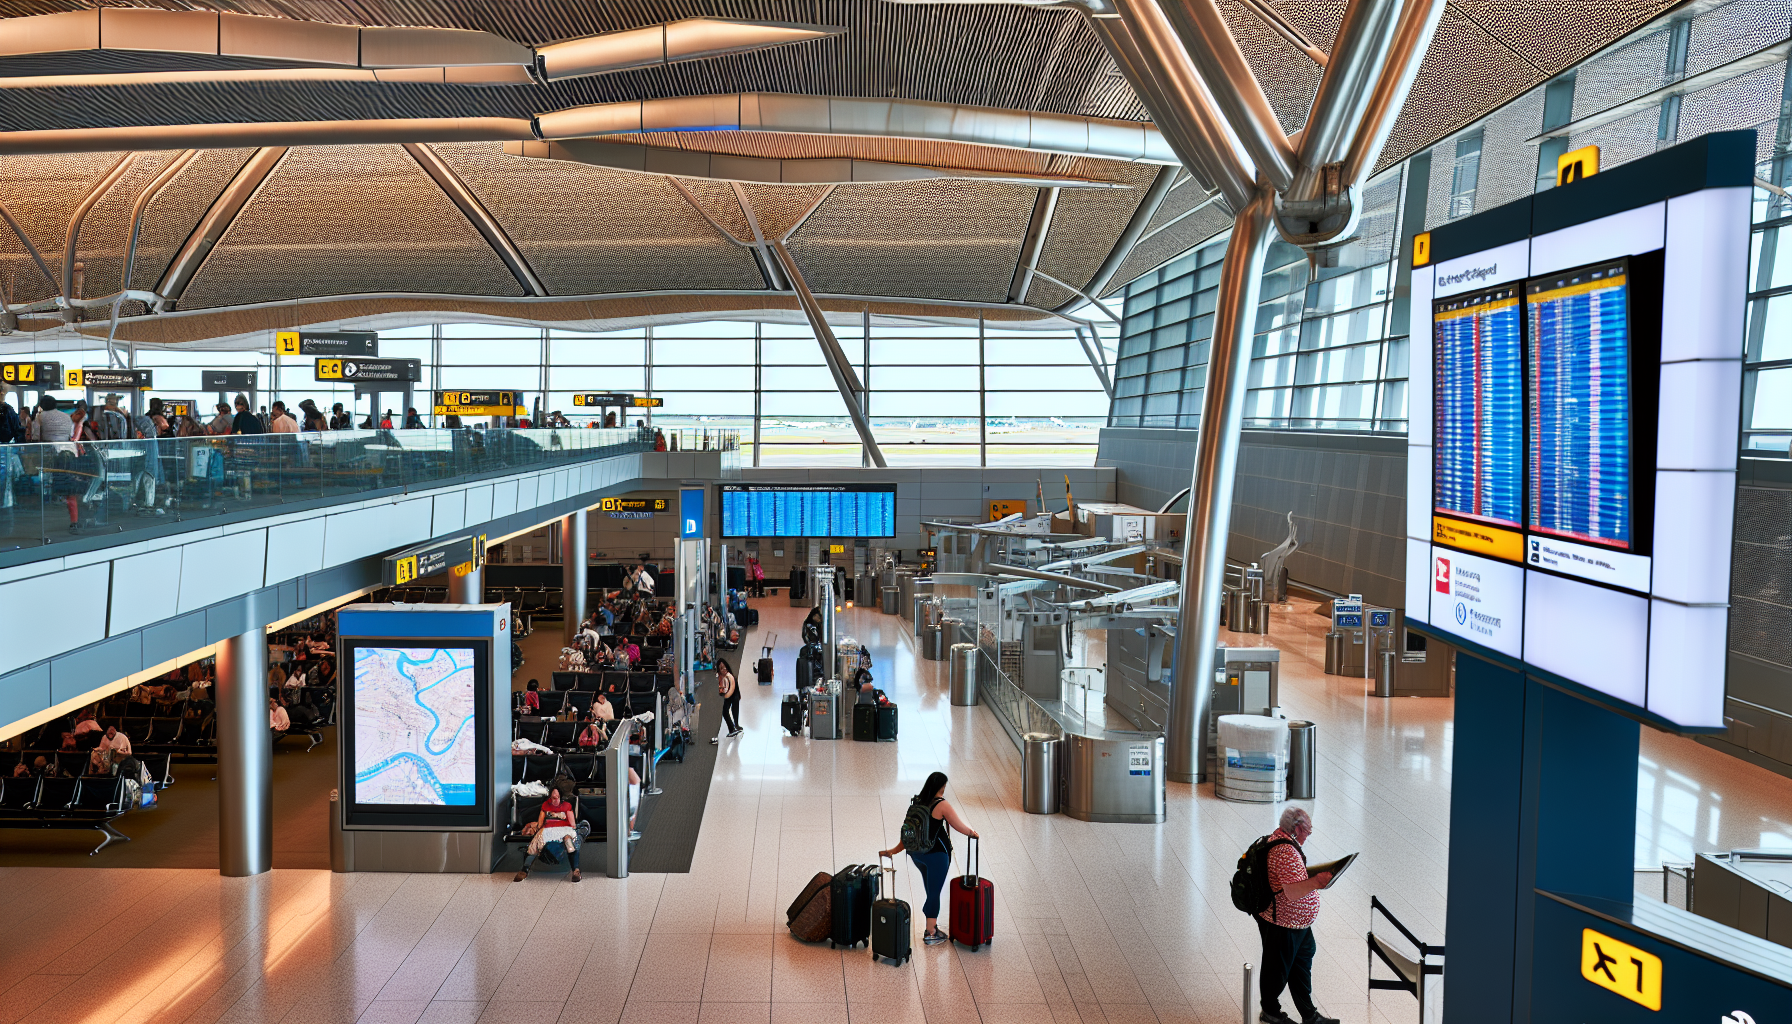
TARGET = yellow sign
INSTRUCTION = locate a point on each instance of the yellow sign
(286, 343)
(406, 570)
(836, 549)
(329, 369)
(463, 568)
(632, 505)
(1421, 248)
(1577, 164)
(71, 378)
(1620, 967)
(1000, 508)
(1478, 538)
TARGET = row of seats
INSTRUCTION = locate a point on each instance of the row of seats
(75, 763)
(92, 802)
(611, 682)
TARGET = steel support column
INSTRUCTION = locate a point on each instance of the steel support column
(469, 589)
(245, 757)
(1357, 58)
(1210, 494)
(1234, 87)
(573, 559)
(838, 364)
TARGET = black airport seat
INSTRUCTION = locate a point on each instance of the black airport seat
(580, 701)
(18, 795)
(534, 767)
(563, 681)
(162, 731)
(55, 796)
(552, 702)
(99, 796)
(560, 734)
(578, 767)
(73, 762)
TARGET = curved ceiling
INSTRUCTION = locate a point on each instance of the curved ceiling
(451, 221)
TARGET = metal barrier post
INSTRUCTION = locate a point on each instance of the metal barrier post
(651, 786)
(1249, 971)
(616, 803)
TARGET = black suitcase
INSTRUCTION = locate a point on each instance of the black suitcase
(762, 669)
(854, 890)
(805, 672)
(892, 935)
(747, 616)
(886, 721)
(864, 722)
(790, 714)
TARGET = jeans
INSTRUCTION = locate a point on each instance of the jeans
(731, 711)
(1287, 963)
(560, 847)
(933, 867)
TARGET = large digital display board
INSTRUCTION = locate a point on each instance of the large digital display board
(1573, 442)
(808, 510)
(417, 739)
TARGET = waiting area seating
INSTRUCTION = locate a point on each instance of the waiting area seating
(46, 802)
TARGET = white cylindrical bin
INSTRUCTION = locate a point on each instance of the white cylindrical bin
(1254, 753)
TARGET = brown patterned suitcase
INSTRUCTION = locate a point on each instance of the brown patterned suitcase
(811, 916)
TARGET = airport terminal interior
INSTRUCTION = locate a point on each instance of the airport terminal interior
(886, 512)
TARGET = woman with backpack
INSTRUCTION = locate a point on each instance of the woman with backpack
(927, 837)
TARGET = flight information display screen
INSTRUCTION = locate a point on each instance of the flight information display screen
(1478, 355)
(1581, 407)
(817, 510)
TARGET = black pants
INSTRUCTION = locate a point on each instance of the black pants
(731, 711)
(1287, 963)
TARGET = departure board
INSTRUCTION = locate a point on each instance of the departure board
(1478, 359)
(1581, 411)
(820, 510)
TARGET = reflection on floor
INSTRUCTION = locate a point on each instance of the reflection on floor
(1096, 924)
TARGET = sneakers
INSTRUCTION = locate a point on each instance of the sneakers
(716, 740)
(736, 732)
(1278, 1017)
(575, 875)
(934, 938)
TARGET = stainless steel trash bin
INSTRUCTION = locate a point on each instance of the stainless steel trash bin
(964, 675)
(930, 642)
(1039, 773)
(890, 594)
(1300, 760)
(1238, 609)
(950, 630)
(824, 716)
(1387, 673)
(1334, 652)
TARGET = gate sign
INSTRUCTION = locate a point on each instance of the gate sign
(399, 370)
(589, 399)
(690, 513)
(138, 380)
(44, 375)
(478, 403)
(327, 343)
(461, 554)
(227, 380)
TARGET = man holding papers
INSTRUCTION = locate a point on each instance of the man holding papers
(1287, 925)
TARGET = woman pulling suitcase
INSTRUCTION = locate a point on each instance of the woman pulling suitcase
(927, 837)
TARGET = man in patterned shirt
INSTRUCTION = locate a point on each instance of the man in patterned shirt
(1287, 926)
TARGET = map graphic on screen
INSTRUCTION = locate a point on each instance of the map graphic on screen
(1480, 406)
(1580, 395)
(414, 712)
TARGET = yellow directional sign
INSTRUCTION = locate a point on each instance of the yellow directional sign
(999, 508)
(1620, 967)
(404, 570)
(30, 373)
(329, 369)
(1421, 248)
(286, 343)
(1577, 164)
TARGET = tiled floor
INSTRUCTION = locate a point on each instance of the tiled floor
(1096, 924)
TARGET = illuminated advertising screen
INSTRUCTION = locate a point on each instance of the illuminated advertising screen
(799, 510)
(416, 752)
(1572, 454)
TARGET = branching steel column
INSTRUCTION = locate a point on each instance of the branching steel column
(1033, 246)
(144, 198)
(216, 222)
(1235, 89)
(838, 364)
(1135, 229)
(477, 215)
(1412, 39)
(72, 237)
(1357, 58)
(1210, 495)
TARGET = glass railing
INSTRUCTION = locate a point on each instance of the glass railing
(58, 492)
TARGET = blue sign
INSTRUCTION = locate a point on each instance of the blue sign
(1350, 622)
(690, 513)
(1380, 619)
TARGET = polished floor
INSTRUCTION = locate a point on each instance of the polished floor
(1096, 924)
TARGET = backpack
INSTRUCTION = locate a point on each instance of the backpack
(917, 828)
(1251, 891)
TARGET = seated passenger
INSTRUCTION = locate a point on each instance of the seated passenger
(532, 698)
(602, 710)
(593, 733)
(555, 833)
(278, 721)
(87, 722)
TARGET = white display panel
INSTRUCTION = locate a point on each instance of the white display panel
(1622, 234)
(1478, 599)
(1588, 562)
(1703, 305)
(1418, 585)
(1418, 485)
(1693, 540)
(1479, 270)
(1418, 362)
(1594, 636)
(1701, 406)
(1686, 663)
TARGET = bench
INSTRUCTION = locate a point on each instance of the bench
(92, 802)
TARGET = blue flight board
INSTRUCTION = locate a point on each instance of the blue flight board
(1580, 405)
(1479, 468)
(819, 510)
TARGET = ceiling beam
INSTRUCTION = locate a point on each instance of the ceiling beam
(482, 220)
(1033, 244)
(1135, 229)
(215, 223)
(72, 237)
(851, 391)
(144, 198)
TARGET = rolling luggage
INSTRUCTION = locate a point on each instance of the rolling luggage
(864, 722)
(790, 714)
(973, 918)
(891, 934)
(811, 917)
(854, 889)
(747, 616)
(804, 671)
(886, 722)
(762, 670)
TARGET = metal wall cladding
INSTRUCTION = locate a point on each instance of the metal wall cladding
(1761, 577)
(1508, 165)
(1154, 250)
(1737, 28)
(1183, 197)
(1746, 101)
(929, 239)
(174, 212)
(1085, 225)
(344, 220)
(586, 230)
(42, 192)
(106, 233)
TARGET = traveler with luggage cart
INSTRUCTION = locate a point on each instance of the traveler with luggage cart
(927, 838)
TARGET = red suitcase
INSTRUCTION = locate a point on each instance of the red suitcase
(973, 907)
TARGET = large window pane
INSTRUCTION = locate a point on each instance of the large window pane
(1034, 351)
(596, 350)
(702, 352)
(924, 403)
(506, 331)
(804, 351)
(1047, 403)
(1016, 378)
(705, 403)
(926, 350)
(1344, 329)
(702, 378)
(1770, 327)
(789, 378)
(707, 329)
(491, 351)
(1336, 366)
(906, 378)
(516, 378)
(597, 378)
(802, 403)
(1773, 399)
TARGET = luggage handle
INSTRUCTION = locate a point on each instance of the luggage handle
(891, 870)
(972, 862)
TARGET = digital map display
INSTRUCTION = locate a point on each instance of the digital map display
(415, 740)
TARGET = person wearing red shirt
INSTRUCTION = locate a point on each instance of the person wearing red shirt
(1287, 926)
(559, 831)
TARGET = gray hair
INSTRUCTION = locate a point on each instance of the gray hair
(1293, 818)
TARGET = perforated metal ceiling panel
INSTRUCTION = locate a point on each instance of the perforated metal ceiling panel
(934, 239)
(107, 229)
(1156, 249)
(1085, 225)
(586, 229)
(42, 192)
(926, 153)
(780, 207)
(1187, 195)
(341, 220)
(174, 212)
(717, 199)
